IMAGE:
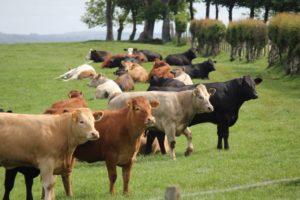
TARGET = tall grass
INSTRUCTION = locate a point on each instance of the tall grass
(264, 142)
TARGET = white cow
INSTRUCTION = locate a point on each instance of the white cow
(80, 72)
(180, 75)
(175, 112)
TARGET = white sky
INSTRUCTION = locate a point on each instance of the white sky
(61, 16)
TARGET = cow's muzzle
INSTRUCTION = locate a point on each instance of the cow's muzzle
(94, 135)
(150, 121)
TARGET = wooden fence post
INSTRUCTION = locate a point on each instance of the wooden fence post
(172, 193)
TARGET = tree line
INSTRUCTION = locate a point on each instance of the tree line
(120, 12)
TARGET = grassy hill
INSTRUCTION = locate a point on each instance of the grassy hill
(264, 142)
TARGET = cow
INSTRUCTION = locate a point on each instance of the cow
(46, 142)
(155, 146)
(161, 69)
(181, 58)
(115, 60)
(151, 56)
(136, 71)
(124, 80)
(164, 82)
(75, 100)
(175, 112)
(180, 75)
(227, 101)
(77, 73)
(200, 70)
(97, 56)
(121, 130)
(105, 87)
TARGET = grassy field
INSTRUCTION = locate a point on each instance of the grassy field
(265, 144)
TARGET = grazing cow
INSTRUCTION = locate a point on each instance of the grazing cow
(136, 71)
(161, 69)
(230, 96)
(180, 75)
(175, 112)
(46, 142)
(80, 72)
(97, 56)
(181, 58)
(120, 130)
(105, 87)
(200, 70)
(124, 80)
(72, 102)
(164, 82)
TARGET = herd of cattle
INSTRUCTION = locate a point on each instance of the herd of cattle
(134, 122)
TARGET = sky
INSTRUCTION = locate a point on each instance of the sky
(63, 16)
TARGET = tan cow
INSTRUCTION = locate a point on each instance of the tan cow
(136, 71)
(46, 142)
(175, 112)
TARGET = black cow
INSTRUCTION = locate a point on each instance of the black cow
(151, 56)
(227, 100)
(164, 82)
(181, 58)
(10, 174)
(97, 56)
(200, 70)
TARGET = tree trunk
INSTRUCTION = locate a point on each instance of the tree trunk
(147, 33)
(120, 30)
(109, 20)
(217, 11)
(207, 8)
(266, 15)
(165, 33)
(252, 12)
(191, 9)
(230, 8)
(132, 35)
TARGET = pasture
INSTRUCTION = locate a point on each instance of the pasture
(264, 143)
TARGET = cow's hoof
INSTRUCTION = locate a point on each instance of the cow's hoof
(188, 152)
(219, 147)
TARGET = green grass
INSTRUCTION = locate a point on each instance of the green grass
(265, 142)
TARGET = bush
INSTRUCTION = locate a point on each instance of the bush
(209, 33)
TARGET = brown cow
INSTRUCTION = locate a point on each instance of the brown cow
(136, 71)
(124, 80)
(75, 100)
(121, 130)
(161, 69)
(46, 142)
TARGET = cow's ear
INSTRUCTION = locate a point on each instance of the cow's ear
(211, 91)
(154, 103)
(183, 69)
(75, 115)
(98, 115)
(195, 91)
(129, 103)
(258, 81)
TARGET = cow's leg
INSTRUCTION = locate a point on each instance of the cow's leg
(188, 134)
(10, 175)
(225, 137)
(29, 183)
(161, 141)
(220, 136)
(170, 132)
(112, 174)
(126, 171)
(223, 134)
(48, 180)
(67, 179)
(150, 138)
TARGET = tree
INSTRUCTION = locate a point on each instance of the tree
(252, 5)
(181, 20)
(229, 4)
(121, 18)
(166, 36)
(100, 12)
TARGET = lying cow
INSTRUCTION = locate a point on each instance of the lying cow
(124, 80)
(97, 56)
(164, 82)
(230, 96)
(151, 56)
(105, 87)
(181, 58)
(80, 72)
(136, 71)
(45, 141)
(161, 69)
(180, 75)
(174, 115)
(200, 70)
(120, 130)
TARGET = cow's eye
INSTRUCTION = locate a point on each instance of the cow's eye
(81, 122)
(200, 97)
(137, 108)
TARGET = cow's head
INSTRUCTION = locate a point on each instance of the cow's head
(75, 93)
(201, 99)
(140, 108)
(83, 124)
(210, 65)
(191, 53)
(97, 80)
(89, 55)
(247, 87)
